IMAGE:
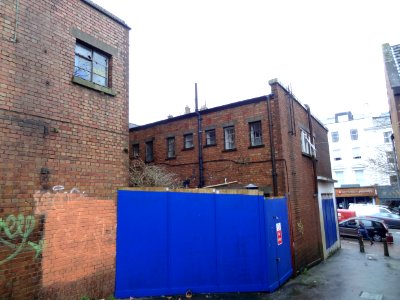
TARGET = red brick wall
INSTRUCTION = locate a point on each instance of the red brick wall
(77, 134)
(62, 248)
(304, 212)
(46, 121)
(244, 165)
(295, 173)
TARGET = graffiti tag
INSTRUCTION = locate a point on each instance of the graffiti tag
(18, 229)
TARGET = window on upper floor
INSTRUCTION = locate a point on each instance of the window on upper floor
(91, 64)
(387, 136)
(135, 150)
(359, 175)
(255, 134)
(188, 141)
(393, 179)
(149, 151)
(335, 136)
(339, 176)
(390, 157)
(356, 153)
(337, 155)
(354, 134)
(211, 137)
(171, 147)
(229, 138)
(307, 143)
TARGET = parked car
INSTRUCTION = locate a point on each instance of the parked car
(376, 228)
(391, 220)
(344, 214)
(368, 209)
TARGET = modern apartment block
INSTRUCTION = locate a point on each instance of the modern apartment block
(361, 150)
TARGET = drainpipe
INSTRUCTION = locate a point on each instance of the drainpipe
(199, 140)
(314, 163)
(14, 38)
(272, 148)
(396, 167)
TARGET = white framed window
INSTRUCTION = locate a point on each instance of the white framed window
(387, 136)
(171, 147)
(210, 137)
(91, 64)
(229, 138)
(188, 141)
(255, 133)
(337, 155)
(359, 175)
(356, 153)
(335, 136)
(354, 134)
(390, 157)
(307, 145)
(339, 176)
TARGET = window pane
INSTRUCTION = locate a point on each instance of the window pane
(170, 147)
(149, 151)
(210, 137)
(82, 63)
(335, 136)
(99, 80)
(255, 134)
(354, 134)
(100, 59)
(81, 73)
(356, 153)
(229, 138)
(83, 51)
(136, 150)
(386, 137)
(188, 141)
(99, 70)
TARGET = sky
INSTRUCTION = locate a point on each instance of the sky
(329, 53)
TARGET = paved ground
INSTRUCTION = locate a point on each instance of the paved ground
(347, 275)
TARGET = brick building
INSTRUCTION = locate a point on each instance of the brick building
(265, 141)
(63, 122)
(391, 56)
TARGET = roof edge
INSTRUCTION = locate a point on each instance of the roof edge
(106, 12)
(276, 81)
(203, 112)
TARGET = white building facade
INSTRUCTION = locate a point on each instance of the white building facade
(361, 150)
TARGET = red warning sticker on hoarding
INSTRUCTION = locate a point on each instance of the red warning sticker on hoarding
(279, 233)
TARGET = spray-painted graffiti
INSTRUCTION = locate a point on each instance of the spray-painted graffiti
(17, 230)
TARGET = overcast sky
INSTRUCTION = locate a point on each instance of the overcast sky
(328, 52)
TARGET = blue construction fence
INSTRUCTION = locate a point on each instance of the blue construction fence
(169, 242)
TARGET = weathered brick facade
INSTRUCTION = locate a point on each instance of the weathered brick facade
(57, 129)
(295, 172)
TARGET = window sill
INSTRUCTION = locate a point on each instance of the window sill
(93, 86)
(229, 150)
(207, 146)
(170, 158)
(149, 161)
(257, 146)
(187, 149)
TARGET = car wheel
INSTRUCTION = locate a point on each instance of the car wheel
(377, 238)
